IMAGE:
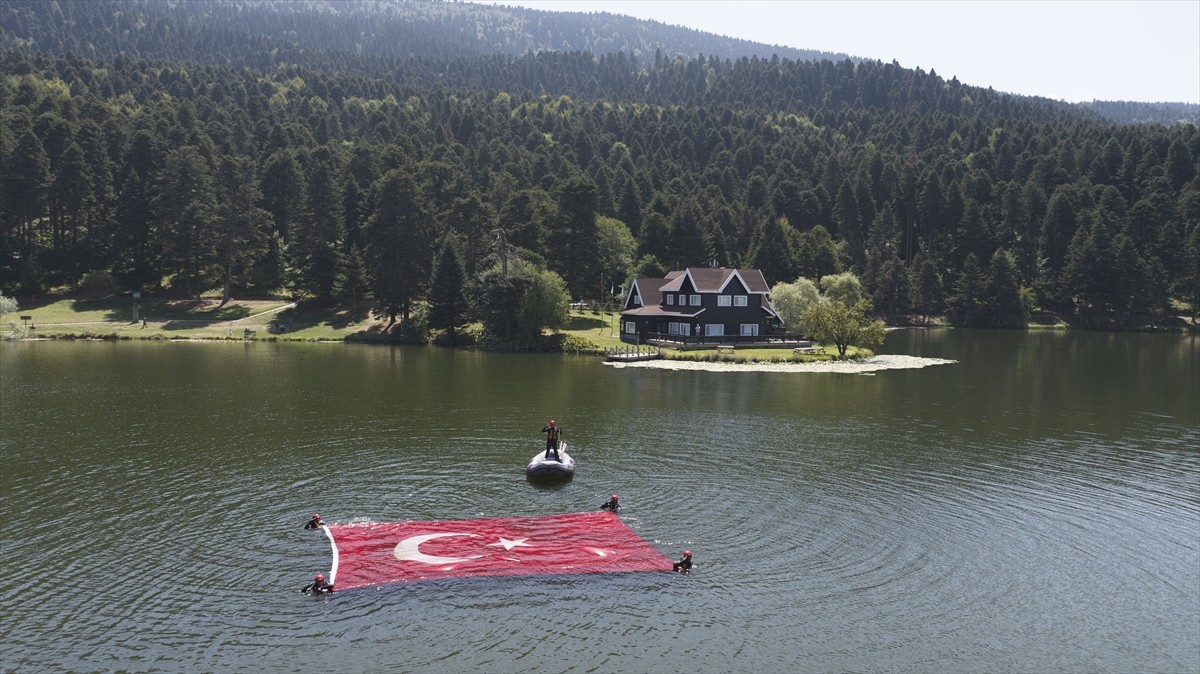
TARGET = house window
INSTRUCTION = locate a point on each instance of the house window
(739, 301)
(714, 329)
(723, 300)
(695, 300)
(675, 328)
(670, 299)
(630, 327)
(749, 329)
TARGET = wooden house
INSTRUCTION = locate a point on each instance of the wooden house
(700, 304)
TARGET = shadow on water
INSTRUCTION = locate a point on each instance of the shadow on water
(544, 483)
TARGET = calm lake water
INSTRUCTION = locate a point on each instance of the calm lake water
(1033, 507)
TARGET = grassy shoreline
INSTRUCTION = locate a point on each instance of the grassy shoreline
(279, 320)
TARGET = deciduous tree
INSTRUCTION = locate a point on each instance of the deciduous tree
(831, 322)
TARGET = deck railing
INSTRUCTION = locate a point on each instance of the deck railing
(714, 340)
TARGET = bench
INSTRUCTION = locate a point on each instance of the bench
(248, 333)
(724, 347)
(806, 349)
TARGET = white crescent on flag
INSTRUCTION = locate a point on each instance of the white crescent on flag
(373, 553)
(409, 550)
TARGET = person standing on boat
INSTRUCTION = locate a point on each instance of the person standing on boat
(318, 586)
(315, 522)
(612, 504)
(552, 434)
(684, 565)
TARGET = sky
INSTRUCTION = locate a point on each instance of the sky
(1078, 50)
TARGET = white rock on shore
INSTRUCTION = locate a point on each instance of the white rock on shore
(864, 366)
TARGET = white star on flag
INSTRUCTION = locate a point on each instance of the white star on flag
(509, 543)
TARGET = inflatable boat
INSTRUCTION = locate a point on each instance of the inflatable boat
(540, 466)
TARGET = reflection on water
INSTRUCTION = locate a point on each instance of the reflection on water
(1034, 506)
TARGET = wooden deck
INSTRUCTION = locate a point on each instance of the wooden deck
(632, 354)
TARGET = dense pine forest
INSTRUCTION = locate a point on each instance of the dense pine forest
(402, 154)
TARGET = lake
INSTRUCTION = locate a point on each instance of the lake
(1032, 506)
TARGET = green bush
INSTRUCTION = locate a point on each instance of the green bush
(577, 344)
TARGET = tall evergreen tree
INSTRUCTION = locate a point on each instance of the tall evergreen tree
(318, 239)
(925, 288)
(1191, 276)
(352, 280)
(774, 255)
(1003, 301)
(242, 224)
(572, 244)
(399, 237)
(850, 227)
(26, 179)
(185, 208)
(447, 289)
(691, 244)
(891, 287)
(967, 302)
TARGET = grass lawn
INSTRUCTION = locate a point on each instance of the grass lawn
(208, 319)
(602, 329)
(186, 319)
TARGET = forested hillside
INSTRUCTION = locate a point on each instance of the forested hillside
(341, 174)
(262, 32)
(1132, 112)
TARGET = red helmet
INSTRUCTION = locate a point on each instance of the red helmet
(614, 495)
(318, 577)
(687, 553)
(316, 516)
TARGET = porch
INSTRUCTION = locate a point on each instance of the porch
(696, 342)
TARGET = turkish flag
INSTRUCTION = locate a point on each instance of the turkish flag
(393, 552)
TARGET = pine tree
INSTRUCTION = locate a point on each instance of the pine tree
(1002, 297)
(447, 289)
(966, 305)
(926, 289)
(185, 209)
(572, 241)
(241, 225)
(352, 281)
(399, 237)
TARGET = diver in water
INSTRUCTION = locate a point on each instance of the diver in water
(318, 586)
(611, 504)
(552, 434)
(684, 565)
(315, 522)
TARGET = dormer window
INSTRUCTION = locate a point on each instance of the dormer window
(723, 300)
(670, 300)
(695, 300)
(739, 300)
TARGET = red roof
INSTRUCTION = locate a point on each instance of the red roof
(703, 279)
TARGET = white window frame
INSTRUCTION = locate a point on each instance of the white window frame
(695, 300)
(670, 300)
(630, 327)
(749, 329)
(677, 328)
(714, 329)
(740, 300)
(724, 300)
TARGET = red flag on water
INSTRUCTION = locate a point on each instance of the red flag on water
(391, 552)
